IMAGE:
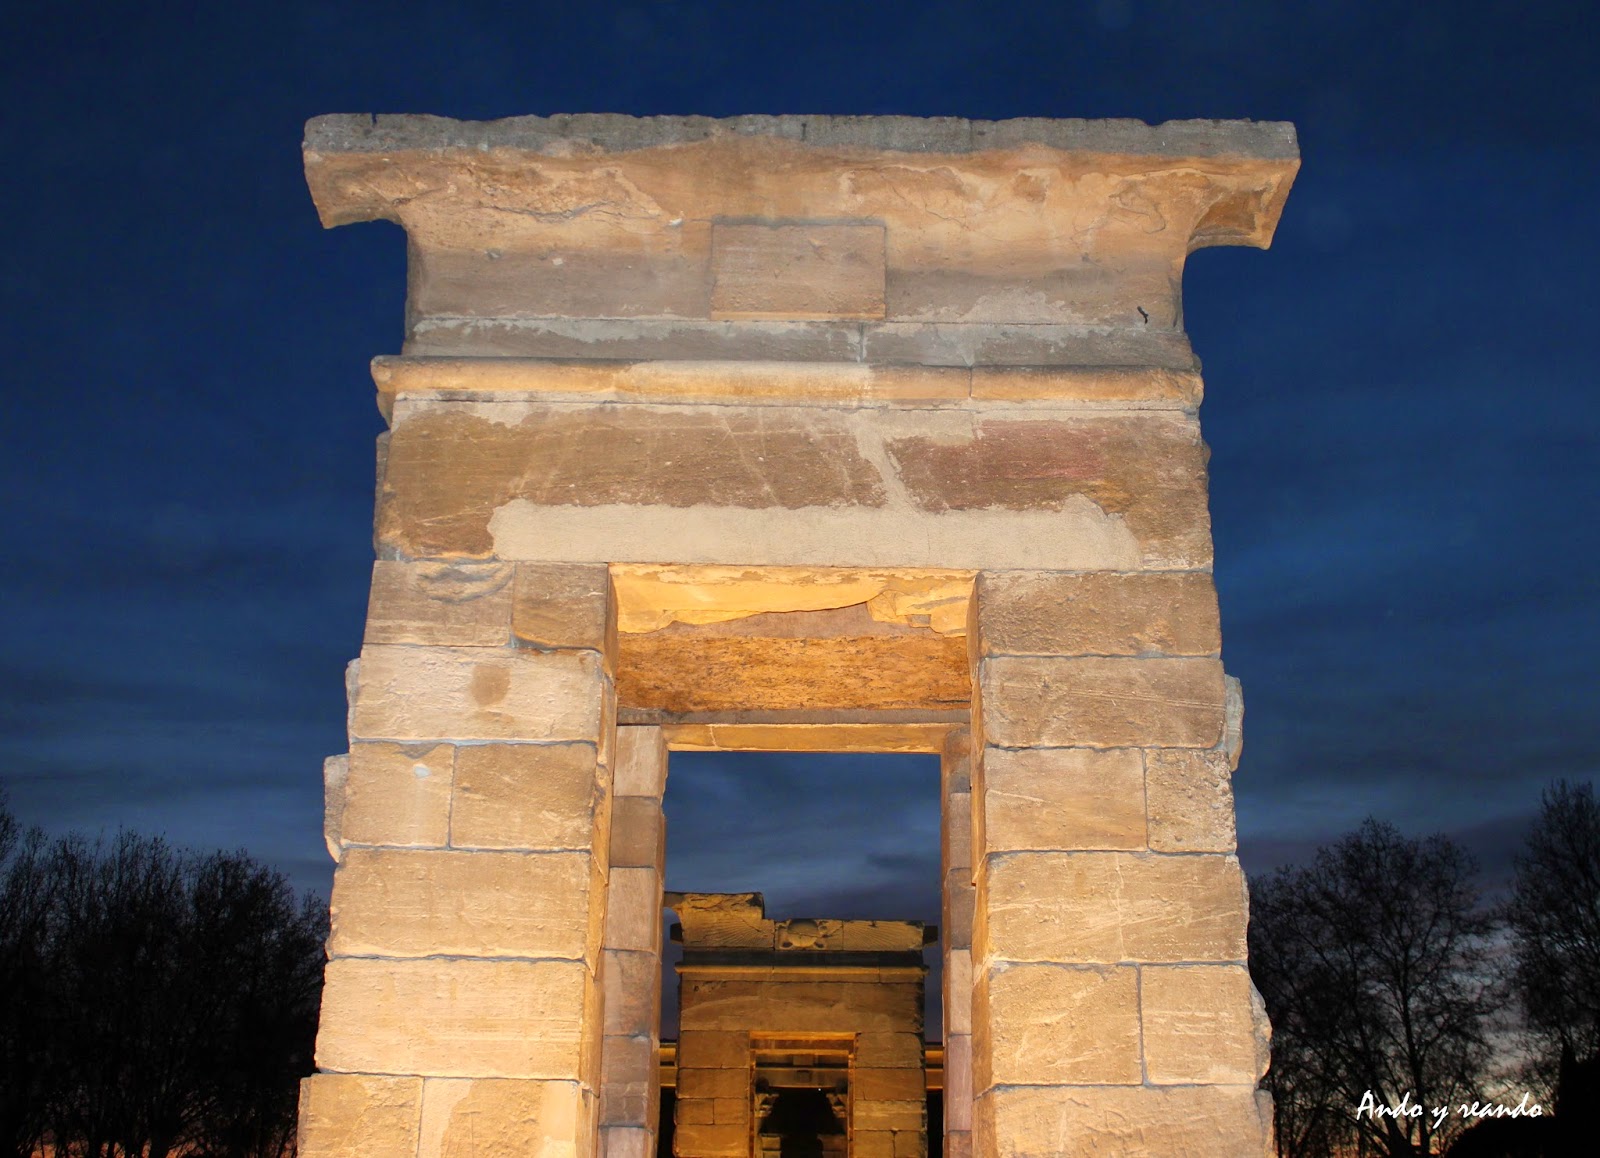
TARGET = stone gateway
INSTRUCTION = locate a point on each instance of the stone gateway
(800, 434)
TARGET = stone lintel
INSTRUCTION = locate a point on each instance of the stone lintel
(928, 242)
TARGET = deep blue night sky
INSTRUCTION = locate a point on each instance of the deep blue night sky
(1401, 402)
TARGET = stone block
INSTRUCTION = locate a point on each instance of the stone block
(1100, 384)
(697, 1140)
(440, 603)
(958, 991)
(726, 1111)
(956, 832)
(696, 1083)
(955, 760)
(865, 1004)
(335, 778)
(347, 1114)
(411, 694)
(627, 1142)
(1033, 702)
(1121, 1122)
(957, 1082)
(957, 909)
(436, 902)
(633, 910)
(638, 833)
(797, 272)
(559, 607)
(398, 795)
(533, 796)
(443, 1017)
(886, 1115)
(902, 1084)
(641, 762)
(539, 1119)
(714, 1048)
(910, 1144)
(958, 1144)
(888, 1049)
(1189, 795)
(1108, 907)
(1055, 1025)
(1200, 1025)
(871, 1143)
(628, 1081)
(695, 1111)
(1098, 614)
(632, 985)
(1062, 798)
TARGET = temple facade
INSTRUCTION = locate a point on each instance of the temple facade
(797, 434)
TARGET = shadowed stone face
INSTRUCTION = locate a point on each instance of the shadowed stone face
(790, 434)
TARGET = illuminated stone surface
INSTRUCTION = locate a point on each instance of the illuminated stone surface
(790, 434)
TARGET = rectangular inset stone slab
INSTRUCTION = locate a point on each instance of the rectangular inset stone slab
(443, 1017)
(798, 272)
(560, 607)
(435, 902)
(1102, 703)
(1095, 907)
(1049, 1024)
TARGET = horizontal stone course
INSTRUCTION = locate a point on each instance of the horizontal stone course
(530, 796)
(1051, 1025)
(1122, 1122)
(1199, 1025)
(349, 1114)
(444, 603)
(436, 902)
(1062, 798)
(1101, 703)
(1190, 798)
(1053, 614)
(412, 694)
(1109, 907)
(539, 1119)
(398, 795)
(458, 1017)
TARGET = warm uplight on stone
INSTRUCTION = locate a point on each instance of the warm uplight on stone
(790, 434)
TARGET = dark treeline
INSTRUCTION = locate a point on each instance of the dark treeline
(153, 1002)
(1391, 983)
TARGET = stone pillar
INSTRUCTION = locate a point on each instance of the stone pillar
(956, 941)
(462, 1012)
(630, 1094)
(1111, 995)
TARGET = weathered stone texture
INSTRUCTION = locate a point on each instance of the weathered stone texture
(1093, 907)
(398, 795)
(427, 902)
(349, 1114)
(530, 796)
(797, 271)
(443, 603)
(1199, 1026)
(1190, 796)
(1049, 1024)
(444, 1017)
(411, 694)
(641, 763)
(1122, 1122)
(539, 1119)
(1102, 703)
(1043, 613)
(556, 607)
(1062, 798)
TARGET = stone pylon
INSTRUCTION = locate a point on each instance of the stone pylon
(789, 433)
